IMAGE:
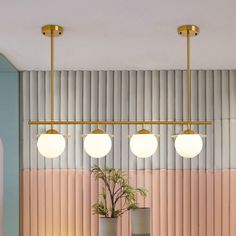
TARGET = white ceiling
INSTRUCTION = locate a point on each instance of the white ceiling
(118, 34)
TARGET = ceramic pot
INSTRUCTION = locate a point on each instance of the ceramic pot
(108, 226)
(140, 220)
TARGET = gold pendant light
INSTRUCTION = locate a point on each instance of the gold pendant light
(51, 144)
(143, 144)
(97, 143)
(188, 144)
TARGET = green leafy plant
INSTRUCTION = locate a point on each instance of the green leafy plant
(115, 188)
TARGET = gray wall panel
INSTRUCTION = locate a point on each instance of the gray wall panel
(63, 116)
(110, 114)
(87, 109)
(125, 104)
(131, 95)
(116, 103)
(56, 162)
(232, 94)
(71, 116)
(79, 116)
(132, 100)
(94, 105)
(232, 141)
(101, 106)
(140, 111)
(148, 109)
(33, 115)
(156, 114)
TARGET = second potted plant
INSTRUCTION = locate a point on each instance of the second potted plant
(115, 187)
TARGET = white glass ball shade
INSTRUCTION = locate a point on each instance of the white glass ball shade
(97, 145)
(188, 145)
(143, 145)
(51, 145)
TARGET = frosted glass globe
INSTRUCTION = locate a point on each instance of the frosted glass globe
(51, 145)
(143, 145)
(97, 145)
(188, 145)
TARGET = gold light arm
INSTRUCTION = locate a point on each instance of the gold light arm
(119, 122)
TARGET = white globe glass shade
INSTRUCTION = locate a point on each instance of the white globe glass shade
(51, 145)
(188, 145)
(143, 145)
(97, 145)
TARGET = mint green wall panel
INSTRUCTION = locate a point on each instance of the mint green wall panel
(9, 134)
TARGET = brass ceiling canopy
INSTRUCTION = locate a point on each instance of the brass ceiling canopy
(191, 30)
(52, 30)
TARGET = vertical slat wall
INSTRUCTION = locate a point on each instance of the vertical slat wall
(188, 197)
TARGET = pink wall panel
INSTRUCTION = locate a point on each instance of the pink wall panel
(218, 203)
(25, 204)
(179, 203)
(186, 203)
(226, 202)
(56, 202)
(232, 202)
(63, 202)
(33, 202)
(94, 198)
(155, 224)
(192, 203)
(41, 201)
(79, 202)
(202, 210)
(210, 203)
(163, 203)
(49, 203)
(71, 202)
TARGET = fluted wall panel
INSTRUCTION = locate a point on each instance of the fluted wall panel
(194, 197)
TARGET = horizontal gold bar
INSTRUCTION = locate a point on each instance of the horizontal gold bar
(119, 122)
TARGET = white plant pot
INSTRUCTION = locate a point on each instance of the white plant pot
(140, 220)
(108, 226)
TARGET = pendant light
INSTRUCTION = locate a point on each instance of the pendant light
(51, 144)
(97, 144)
(188, 144)
(143, 144)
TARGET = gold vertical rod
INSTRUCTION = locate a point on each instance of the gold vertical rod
(52, 77)
(188, 82)
(142, 125)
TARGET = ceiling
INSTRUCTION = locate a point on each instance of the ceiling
(118, 34)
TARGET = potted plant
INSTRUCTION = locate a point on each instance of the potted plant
(115, 188)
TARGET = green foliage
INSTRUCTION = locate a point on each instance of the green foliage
(116, 187)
